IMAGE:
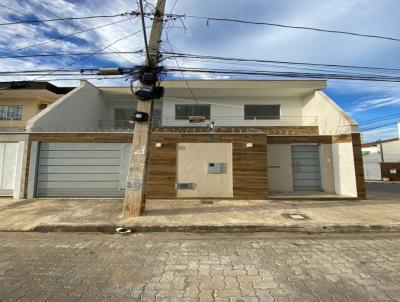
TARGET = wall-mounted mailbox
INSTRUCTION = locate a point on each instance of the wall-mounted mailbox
(184, 186)
(215, 168)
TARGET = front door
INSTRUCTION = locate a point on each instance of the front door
(306, 168)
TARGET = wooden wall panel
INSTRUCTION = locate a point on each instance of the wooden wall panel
(82, 137)
(385, 171)
(310, 139)
(249, 164)
(358, 165)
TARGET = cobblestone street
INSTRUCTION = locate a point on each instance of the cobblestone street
(203, 267)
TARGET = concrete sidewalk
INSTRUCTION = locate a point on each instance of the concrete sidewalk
(104, 215)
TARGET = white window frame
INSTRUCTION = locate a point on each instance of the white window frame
(5, 115)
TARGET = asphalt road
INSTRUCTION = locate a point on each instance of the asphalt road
(209, 267)
(385, 191)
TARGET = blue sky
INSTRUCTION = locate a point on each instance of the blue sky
(363, 100)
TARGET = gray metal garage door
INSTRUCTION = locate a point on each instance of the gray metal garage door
(82, 169)
(306, 168)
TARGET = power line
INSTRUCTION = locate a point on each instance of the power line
(197, 56)
(131, 13)
(75, 26)
(287, 74)
(144, 31)
(288, 26)
(63, 37)
(90, 55)
(379, 119)
(69, 54)
(377, 127)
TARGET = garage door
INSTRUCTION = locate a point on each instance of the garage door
(82, 169)
(306, 168)
(8, 166)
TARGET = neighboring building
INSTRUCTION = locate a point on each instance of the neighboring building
(238, 140)
(382, 159)
(19, 102)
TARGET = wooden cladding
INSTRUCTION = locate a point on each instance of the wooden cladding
(249, 164)
(391, 171)
(82, 137)
(358, 166)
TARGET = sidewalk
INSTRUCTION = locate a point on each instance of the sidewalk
(104, 215)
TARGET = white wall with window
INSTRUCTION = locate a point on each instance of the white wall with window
(235, 112)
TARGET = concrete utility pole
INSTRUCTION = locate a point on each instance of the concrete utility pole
(134, 202)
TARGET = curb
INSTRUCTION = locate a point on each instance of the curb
(251, 228)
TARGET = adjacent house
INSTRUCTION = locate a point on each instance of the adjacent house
(382, 159)
(19, 102)
(226, 139)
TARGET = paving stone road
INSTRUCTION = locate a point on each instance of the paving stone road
(184, 267)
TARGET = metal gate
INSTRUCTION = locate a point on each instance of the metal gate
(82, 169)
(372, 171)
(306, 168)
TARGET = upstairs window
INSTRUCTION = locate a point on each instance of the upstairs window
(182, 112)
(122, 114)
(262, 112)
(11, 113)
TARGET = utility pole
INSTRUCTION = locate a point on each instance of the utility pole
(134, 201)
(381, 151)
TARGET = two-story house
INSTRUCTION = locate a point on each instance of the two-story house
(223, 139)
(19, 102)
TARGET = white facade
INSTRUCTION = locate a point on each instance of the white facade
(88, 108)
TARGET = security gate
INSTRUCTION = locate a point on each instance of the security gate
(306, 168)
(82, 169)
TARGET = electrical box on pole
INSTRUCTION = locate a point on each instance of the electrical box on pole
(134, 201)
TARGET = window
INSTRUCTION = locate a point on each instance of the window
(10, 113)
(182, 112)
(262, 112)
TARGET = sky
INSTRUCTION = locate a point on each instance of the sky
(363, 100)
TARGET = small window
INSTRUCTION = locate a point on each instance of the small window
(262, 112)
(182, 112)
(10, 113)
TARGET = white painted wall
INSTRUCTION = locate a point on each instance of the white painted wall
(372, 171)
(79, 110)
(391, 151)
(343, 169)
(230, 111)
(331, 118)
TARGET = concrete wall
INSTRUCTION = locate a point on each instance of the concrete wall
(230, 111)
(79, 110)
(331, 118)
(280, 178)
(391, 151)
(344, 170)
(192, 162)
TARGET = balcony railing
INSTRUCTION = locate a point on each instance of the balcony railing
(235, 121)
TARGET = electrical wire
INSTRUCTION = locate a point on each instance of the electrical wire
(90, 55)
(197, 56)
(65, 36)
(131, 13)
(70, 23)
(208, 19)
(144, 31)
(69, 54)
